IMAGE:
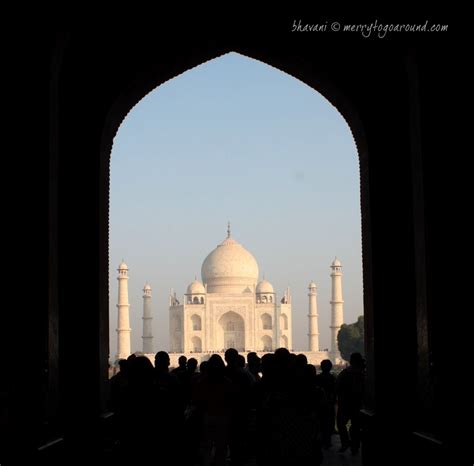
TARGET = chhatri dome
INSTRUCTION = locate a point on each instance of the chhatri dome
(229, 268)
(265, 287)
(123, 266)
(196, 287)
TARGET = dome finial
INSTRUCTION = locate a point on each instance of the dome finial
(228, 229)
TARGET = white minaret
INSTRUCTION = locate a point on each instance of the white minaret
(123, 320)
(313, 335)
(337, 314)
(147, 321)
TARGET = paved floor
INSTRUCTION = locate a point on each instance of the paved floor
(333, 458)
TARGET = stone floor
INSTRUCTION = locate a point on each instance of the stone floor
(333, 458)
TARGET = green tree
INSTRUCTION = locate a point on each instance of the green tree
(351, 338)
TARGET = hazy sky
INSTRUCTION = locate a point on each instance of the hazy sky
(235, 140)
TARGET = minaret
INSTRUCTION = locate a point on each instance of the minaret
(337, 315)
(123, 321)
(313, 334)
(147, 321)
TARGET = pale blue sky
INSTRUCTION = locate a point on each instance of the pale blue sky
(235, 139)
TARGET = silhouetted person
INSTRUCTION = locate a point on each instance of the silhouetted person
(140, 410)
(301, 360)
(118, 391)
(118, 385)
(163, 378)
(192, 416)
(327, 382)
(203, 367)
(191, 365)
(182, 360)
(288, 415)
(185, 380)
(254, 365)
(350, 391)
(320, 405)
(214, 396)
(168, 394)
(243, 382)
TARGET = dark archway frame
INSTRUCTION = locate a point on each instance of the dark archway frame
(97, 80)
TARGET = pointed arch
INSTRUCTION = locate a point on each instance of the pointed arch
(267, 344)
(196, 344)
(266, 321)
(196, 322)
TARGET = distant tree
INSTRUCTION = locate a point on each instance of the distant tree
(351, 338)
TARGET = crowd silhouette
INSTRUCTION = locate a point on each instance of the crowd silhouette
(273, 410)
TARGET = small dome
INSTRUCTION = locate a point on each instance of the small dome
(123, 266)
(196, 287)
(147, 287)
(265, 287)
(312, 284)
(336, 263)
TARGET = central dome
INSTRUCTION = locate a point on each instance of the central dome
(229, 268)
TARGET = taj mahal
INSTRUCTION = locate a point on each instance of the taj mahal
(230, 308)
